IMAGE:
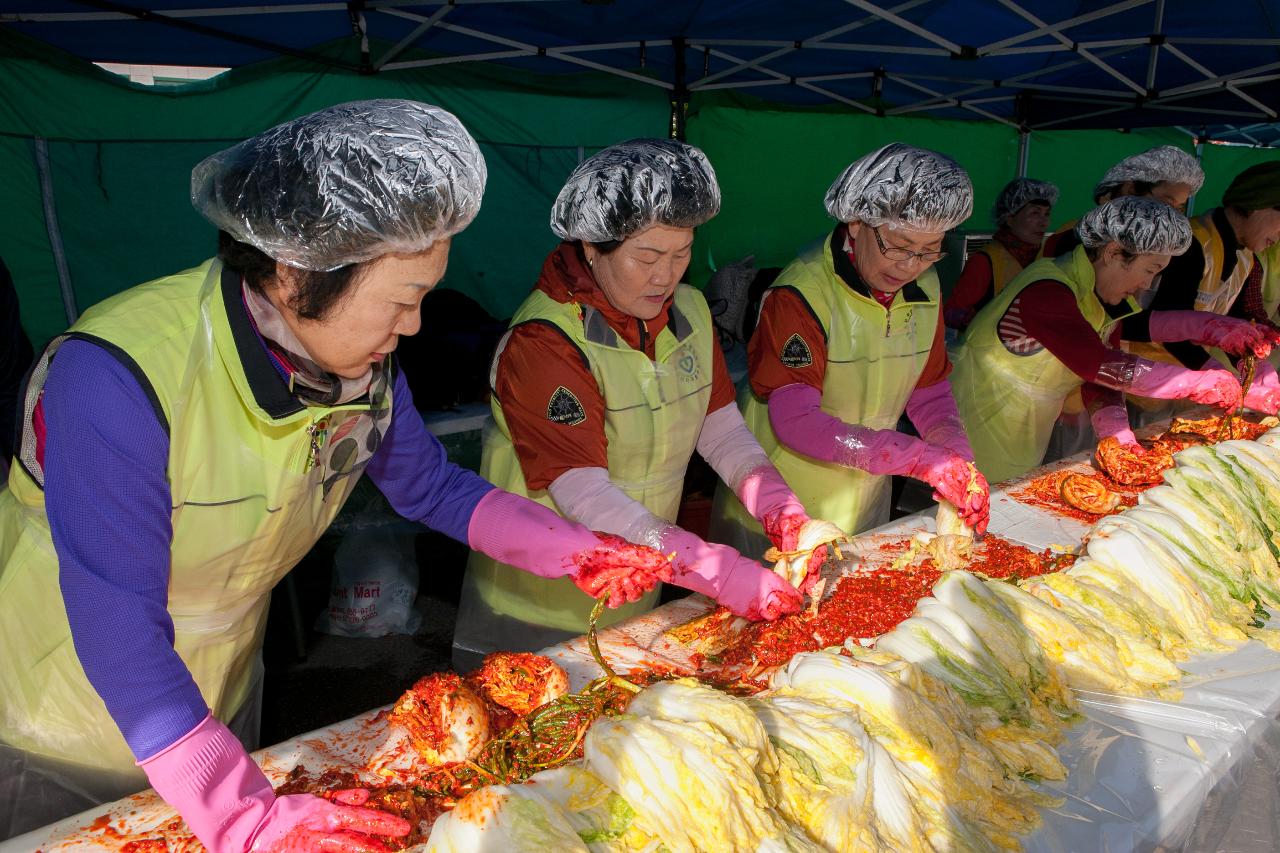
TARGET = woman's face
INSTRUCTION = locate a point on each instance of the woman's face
(1030, 222)
(1259, 229)
(381, 304)
(639, 276)
(1169, 192)
(887, 274)
(1117, 277)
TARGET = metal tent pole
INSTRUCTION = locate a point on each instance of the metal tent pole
(54, 231)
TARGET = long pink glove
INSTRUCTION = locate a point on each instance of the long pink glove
(226, 801)
(1112, 421)
(1264, 393)
(1170, 382)
(795, 412)
(1235, 336)
(529, 536)
(717, 571)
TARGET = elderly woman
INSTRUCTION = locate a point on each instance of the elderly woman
(1056, 328)
(1021, 215)
(1166, 174)
(187, 441)
(851, 335)
(1222, 273)
(608, 380)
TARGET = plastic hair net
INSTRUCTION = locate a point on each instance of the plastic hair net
(346, 184)
(633, 185)
(1159, 165)
(900, 185)
(1020, 192)
(1143, 226)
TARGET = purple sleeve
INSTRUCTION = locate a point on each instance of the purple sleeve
(412, 469)
(107, 498)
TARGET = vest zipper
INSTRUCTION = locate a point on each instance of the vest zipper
(317, 432)
(644, 335)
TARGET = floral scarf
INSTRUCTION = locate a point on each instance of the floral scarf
(343, 442)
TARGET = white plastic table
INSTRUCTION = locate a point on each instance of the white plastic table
(1144, 775)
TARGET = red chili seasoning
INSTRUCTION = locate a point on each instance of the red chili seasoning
(862, 605)
(1000, 558)
(1043, 492)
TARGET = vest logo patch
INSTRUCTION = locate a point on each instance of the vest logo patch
(795, 352)
(565, 408)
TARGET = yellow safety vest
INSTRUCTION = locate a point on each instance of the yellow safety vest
(1271, 280)
(1004, 266)
(248, 505)
(1009, 401)
(654, 411)
(874, 358)
(1004, 269)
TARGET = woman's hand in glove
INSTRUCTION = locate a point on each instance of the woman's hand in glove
(621, 570)
(956, 480)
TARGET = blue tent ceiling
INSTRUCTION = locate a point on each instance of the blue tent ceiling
(1208, 67)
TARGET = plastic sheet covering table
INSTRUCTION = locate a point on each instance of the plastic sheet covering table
(1202, 773)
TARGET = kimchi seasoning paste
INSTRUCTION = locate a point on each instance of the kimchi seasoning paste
(1000, 558)
(870, 603)
(1043, 492)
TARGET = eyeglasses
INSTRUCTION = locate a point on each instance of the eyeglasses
(898, 253)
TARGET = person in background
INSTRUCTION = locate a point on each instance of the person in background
(1057, 328)
(188, 440)
(15, 358)
(609, 379)
(1222, 273)
(1021, 215)
(851, 335)
(1165, 173)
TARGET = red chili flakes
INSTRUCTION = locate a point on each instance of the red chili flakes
(145, 845)
(862, 605)
(1043, 492)
(872, 603)
(1000, 558)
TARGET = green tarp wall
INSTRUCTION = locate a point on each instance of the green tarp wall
(119, 158)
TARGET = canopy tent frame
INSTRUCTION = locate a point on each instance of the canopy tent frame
(942, 93)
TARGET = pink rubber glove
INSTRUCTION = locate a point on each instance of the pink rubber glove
(949, 475)
(935, 416)
(1170, 381)
(1264, 376)
(765, 494)
(1264, 393)
(1235, 336)
(771, 502)
(529, 536)
(1113, 422)
(717, 571)
(621, 570)
(229, 804)
(795, 412)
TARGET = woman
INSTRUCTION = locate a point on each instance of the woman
(1021, 215)
(851, 334)
(187, 442)
(1056, 328)
(1164, 173)
(608, 380)
(1223, 273)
